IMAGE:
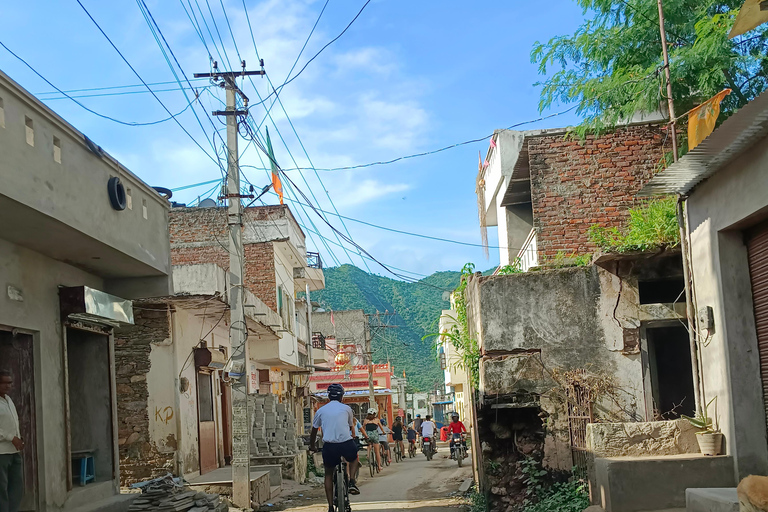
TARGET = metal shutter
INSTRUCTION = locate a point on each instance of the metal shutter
(757, 250)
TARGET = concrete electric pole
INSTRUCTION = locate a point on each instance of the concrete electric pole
(238, 330)
(667, 74)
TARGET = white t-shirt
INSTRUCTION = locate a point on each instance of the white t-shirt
(427, 429)
(335, 418)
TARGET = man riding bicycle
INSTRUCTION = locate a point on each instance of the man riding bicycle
(456, 430)
(337, 422)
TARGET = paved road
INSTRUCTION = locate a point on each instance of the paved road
(414, 484)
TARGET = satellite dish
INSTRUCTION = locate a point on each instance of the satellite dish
(207, 203)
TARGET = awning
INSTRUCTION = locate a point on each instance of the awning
(443, 403)
(730, 140)
(361, 393)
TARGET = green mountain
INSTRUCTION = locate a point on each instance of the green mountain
(413, 308)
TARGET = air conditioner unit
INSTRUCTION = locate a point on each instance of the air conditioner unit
(210, 358)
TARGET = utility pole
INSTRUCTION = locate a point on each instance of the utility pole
(238, 330)
(369, 354)
(670, 100)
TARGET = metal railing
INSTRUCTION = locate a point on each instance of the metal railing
(314, 260)
(318, 340)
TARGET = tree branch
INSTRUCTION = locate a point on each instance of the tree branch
(742, 99)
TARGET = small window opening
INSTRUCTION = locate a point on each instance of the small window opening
(144, 208)
(128, 199)
(57, 150)
(2, 114)
(669, 361)
(662, 291)
(29, 127)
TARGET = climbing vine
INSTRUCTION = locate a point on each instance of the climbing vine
(458, 335)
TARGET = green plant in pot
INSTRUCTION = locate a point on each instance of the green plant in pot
(709, 436)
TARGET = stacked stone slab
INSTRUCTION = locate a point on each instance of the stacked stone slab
(273, 429)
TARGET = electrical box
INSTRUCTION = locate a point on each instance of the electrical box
(706, 318)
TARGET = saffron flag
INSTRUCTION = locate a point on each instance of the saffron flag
(702, 119)
(277, 185)
(493, 142)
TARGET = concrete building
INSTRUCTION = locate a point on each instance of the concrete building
(174, 413)
(80, 234)
(725, 183)
(456, 379)
(565, 346)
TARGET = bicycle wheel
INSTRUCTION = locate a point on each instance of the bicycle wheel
(370, 466)
(340, 490)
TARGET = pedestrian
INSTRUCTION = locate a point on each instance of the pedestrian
(11, 445)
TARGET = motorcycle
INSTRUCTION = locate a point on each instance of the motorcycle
(427, 446)
(459, 449)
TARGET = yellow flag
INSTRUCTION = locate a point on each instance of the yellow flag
(702, 119)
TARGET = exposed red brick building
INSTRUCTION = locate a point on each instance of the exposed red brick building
(544, 189)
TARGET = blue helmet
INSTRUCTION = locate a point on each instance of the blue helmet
(335, 391)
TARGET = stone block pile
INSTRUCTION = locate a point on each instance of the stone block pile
(167, 494)
(273, 427)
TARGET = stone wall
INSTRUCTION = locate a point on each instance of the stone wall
(577, 183)
(139, 458)
(639, 439)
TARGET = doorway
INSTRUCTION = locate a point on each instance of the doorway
(226, 418)
(206, 422)
(90, 401)
(670, 371)
(16, 356)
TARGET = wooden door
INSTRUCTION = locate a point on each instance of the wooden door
(16, 355)
(757, 251)
(207, 423)
(226, 419)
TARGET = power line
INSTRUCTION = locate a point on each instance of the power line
(329, 43)
(113, 87)
(103, 116)
(145, 83)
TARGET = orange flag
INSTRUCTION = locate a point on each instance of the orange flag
(277, 186)
(702, 119)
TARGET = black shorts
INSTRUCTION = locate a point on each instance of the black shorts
(397, 436)
(333, 452)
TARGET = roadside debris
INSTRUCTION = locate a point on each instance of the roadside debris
(169, 494)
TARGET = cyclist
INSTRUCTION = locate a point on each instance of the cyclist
(397, 434)
(371, 425)
(428, 429)
(337, 421)
(456, 429)
(411, 436)
(384, 433)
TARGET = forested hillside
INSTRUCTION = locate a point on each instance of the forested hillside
(413, 308)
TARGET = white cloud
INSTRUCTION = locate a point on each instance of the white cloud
(377, 60)
(367, 191)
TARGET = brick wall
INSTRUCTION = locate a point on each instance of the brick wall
(139, 458)
(578, 183)
(199, 235)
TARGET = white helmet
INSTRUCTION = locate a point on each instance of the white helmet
(372, 411)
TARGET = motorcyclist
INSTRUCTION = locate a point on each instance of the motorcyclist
(456, 429)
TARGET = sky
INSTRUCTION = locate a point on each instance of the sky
(406, 77)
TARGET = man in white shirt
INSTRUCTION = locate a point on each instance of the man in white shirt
(428, 429)
(11, 479)
(337, 422)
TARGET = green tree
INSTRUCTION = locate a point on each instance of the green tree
(611, 67)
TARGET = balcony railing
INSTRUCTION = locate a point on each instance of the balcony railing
(314, 260)
(529, 254)
(318, 340)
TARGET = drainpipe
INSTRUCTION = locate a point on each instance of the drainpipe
(690, 307)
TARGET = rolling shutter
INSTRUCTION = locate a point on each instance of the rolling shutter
(757, 250)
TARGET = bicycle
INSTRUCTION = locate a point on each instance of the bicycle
(411, 449)
(341, 488)
(372, 466)
(386, 455)
(398, 454)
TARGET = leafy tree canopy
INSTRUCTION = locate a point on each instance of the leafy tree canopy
(612, 66)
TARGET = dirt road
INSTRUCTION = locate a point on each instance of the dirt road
(414, 484)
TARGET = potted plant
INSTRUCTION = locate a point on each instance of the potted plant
(709, 437)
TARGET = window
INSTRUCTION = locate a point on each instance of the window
(422, 404)
(56, 150)
(30, 131)
(2, 114)
(144, 208)
(205, 397)
(128, 199)
(285, 308)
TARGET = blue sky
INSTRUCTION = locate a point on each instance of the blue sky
(407, 77)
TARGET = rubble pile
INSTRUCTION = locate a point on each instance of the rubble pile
(273, 427)
(169, 494)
